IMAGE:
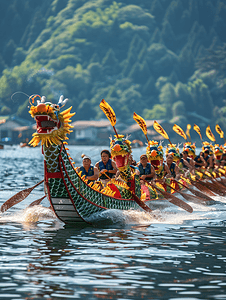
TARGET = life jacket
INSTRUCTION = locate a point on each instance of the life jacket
(172, 169)
(198, 160)
(145, 171)
(108, 167)
(89, 173)
(182, 161)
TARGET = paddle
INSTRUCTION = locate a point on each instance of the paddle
(20, 196)
(214, 185)
(36, 202)
(211, 186)
(203, 188)
(220, 132)
(189, 197)
(197, 193)
(172, 199)
(186, 196)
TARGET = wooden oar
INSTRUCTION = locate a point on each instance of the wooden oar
(187, 196)
(212, 187)
(20, 196)
(198, 194)
(36, 202)
(203, 188)
(172, 199)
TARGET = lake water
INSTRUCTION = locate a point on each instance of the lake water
(175, 255)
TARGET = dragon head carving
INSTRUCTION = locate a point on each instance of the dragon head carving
(52, 125)
(218, 151)
(154, 153)
(173, 150)
(208, 146)
(120, 151)
(190, 148)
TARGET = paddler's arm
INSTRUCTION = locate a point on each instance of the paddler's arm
(95, 176)
(210, 160)
(114, 168)
(177, 172)
(167, 171)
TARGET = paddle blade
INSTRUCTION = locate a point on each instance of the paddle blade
(141, 203)
(160, 130)
(178, 202)
(20, 196)
(108, 111)
(209, 134)
(192, 198)
(197, 129)
(201, 195)
(141, 122)
(36, 202)
(15, 199)
(219, 131)
(174, 200)
(188, 130)
(179, 131)
(203, 188)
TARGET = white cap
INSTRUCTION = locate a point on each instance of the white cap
(85, 156)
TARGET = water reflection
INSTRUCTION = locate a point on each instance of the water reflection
(174, 256)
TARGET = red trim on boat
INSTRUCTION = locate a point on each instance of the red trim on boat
(54, 175)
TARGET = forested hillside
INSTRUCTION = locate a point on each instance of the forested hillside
(163, 59)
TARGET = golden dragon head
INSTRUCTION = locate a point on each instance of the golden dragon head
(190, 148)
(173, 150)
(208, 146)
(154, 152)
(120, 151)
(218, 151)
(52, 125)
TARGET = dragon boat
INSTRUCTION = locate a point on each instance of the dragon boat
(75, 200)
(71, 197)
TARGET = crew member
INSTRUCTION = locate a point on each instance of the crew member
(187, 162)
(91, 173)
(200, 161)
(106, 167)
(147, 171)
(172, 167)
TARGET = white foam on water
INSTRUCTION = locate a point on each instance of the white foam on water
(29, 215)
(168, 214)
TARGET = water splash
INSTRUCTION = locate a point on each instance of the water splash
(29, 215)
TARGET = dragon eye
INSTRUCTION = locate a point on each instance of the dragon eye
(55, 106)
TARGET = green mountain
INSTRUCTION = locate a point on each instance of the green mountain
(160, 58)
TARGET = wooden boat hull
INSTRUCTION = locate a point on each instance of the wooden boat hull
(73, 200)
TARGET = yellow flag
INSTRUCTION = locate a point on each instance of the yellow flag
(220, 131)
(197, 129)
(141, 122)
(209, 134)
(188, 130)
(179, 131)
(109, 112)
(160, 130)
